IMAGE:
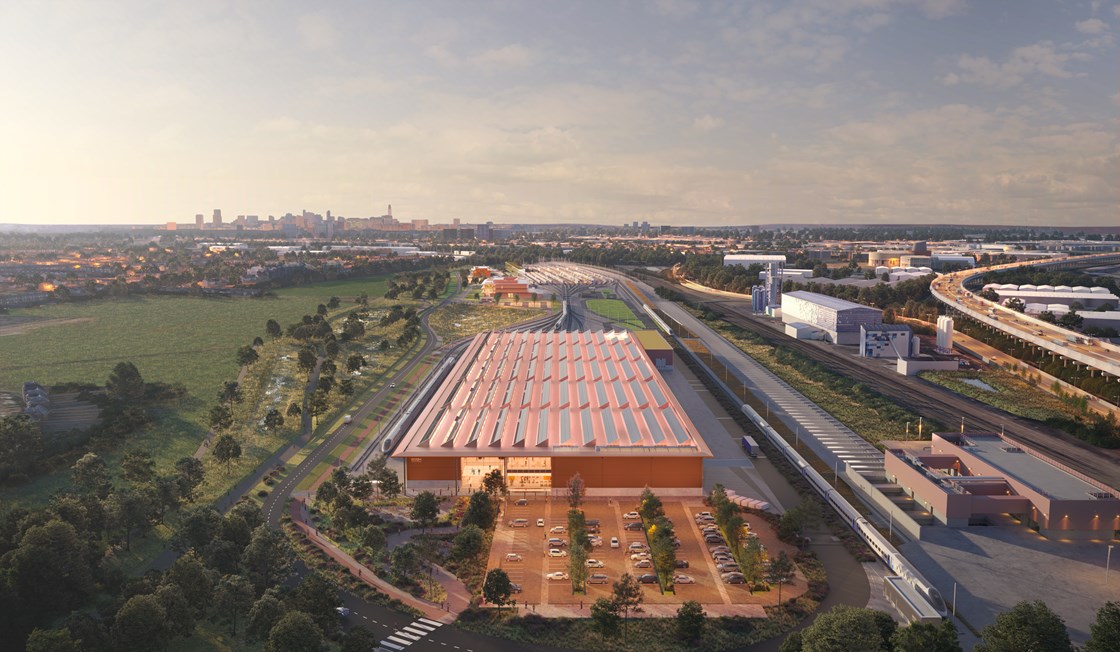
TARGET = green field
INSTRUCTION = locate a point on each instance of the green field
(184, 340)
(616, 311)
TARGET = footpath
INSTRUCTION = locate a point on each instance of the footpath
(457, 597)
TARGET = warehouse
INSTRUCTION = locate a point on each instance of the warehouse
(541, 407)
(839, 320)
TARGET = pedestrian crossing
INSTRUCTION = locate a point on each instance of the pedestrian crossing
(408, 635)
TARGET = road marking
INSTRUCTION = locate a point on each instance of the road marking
(411, 637)
(399, 641)
(391, 645)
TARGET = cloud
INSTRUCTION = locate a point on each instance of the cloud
(942, 8)
(283, 124)
(509, 57)
(1042, 58)
(1116, 99)
(673, 8)
(1092, 26)
(1116, 10)
(317, 32)
(706, 123)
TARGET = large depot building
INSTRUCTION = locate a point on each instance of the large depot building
(542, 407)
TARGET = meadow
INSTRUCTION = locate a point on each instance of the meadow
(616, 311)
(187, 340)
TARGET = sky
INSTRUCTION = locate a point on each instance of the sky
(601, 112)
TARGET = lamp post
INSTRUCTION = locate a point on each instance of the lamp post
(1107, 565)
(907, 429)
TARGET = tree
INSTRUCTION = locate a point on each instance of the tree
(926, 637)
(272, 328)
(627, 594)
(193, 580)
(295, 632)
(321, 310)
(318, 598)
(141, 624)
(233, 597)
(1048, 317)
(497, 588)
(91, 475)
(425, 509)
(355, 362)
(51, 640)
(294, 410)
(848, 629)
(267, 558)
(230, 393)
(690, 620)
(1027, 626)
(576, 489)
(130, 509)
(124, 383)
(604, 617)
(346, 387)
(467, 543)
(264, 615)
(480, 511)
(180, 616)
(388, 484)
(246, 356)
(50, 569)
(1104, 633)
(780, 571)
(333, 303)
(1016, 304)
(404, 561)
(273, 420)
(794, 521)
(494, 483)
(649, 505)
(21, 445)
(138, 466)
(373, 540)
(1071, 320)
(307, 360)
(221, 418)
(189, 473)
(226, 450)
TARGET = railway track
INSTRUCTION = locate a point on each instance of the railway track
(928, 399)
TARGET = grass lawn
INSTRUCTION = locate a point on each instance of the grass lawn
(616, 311)
(186, 340)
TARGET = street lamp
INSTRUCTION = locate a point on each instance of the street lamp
(1107, 564)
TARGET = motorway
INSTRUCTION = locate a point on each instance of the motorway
(921, 397)
(949, 289)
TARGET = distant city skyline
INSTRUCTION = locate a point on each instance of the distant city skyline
(669, 111)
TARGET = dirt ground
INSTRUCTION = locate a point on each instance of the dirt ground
(20, 325)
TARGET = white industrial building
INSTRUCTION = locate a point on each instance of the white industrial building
(944, 334)
(887, 341)
(838, 320)
(1035, 296)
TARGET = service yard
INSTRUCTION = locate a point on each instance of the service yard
(531, 543)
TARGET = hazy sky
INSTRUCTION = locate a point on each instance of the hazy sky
(671, 111)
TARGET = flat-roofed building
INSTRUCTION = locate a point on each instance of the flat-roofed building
(840, 320)
(541, 407)
(968, 478)
(657, 348)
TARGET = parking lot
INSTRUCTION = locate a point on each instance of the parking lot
(531, 543)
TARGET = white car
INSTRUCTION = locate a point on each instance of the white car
(637, 556)
(342, 611)
(643, 563)
(630, 516)
(513, 556)
(683, 579)
(540, 522)
(556, 552)
(594, 563)
(558, 529)
(614, 542)
(558, 575)
(637, 545)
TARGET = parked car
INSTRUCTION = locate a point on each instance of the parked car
(681, 563)
(647, 578)
(707, 529)
(722, 558)
(540, 522)
(715, 538)
(703, 515)
(728, 567)
(557, 552)
(631, 516)
(594, 563)
(596, 542)
(638, 545)
(519, 522)
(592, 529)
(597, 578)
(614, 542)
(633, 526)
(643, 563)
(715, 549)
(556, 542)
(592, 522)
(513, 556)
(637, 556)
(521, 502)
(557, 575)
(514, 588)
(683, 579)
(733, 578)
(558, 529)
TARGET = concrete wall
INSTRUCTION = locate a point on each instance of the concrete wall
(912, 367)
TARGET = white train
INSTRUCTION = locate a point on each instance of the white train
(876, 541)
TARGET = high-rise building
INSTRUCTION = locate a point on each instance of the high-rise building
(482, 231)
(217, 217)
(199, 221)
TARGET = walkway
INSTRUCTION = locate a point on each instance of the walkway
(204, 447)
(457, 597)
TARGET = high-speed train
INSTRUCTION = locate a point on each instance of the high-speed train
(876, 541)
